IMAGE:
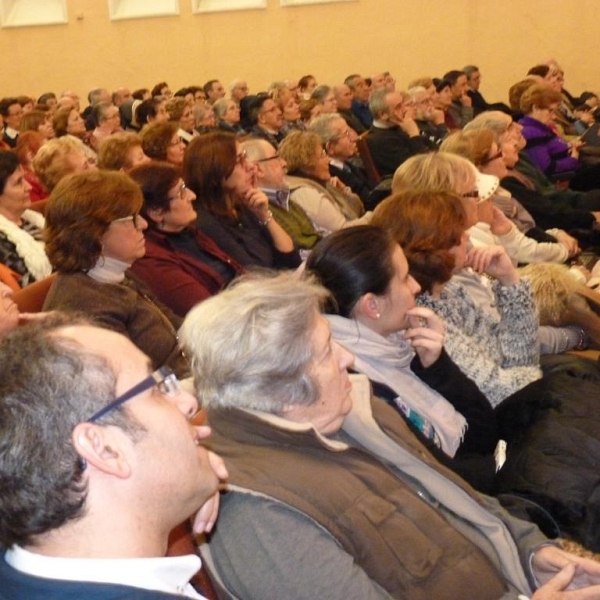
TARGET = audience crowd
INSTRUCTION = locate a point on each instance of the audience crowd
(256, 248)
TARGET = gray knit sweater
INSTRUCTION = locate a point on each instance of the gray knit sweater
(500, 356)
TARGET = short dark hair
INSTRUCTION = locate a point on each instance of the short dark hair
(208, 86)
(452, 76)
(155, 180)
(156, 138)
(255, 106)
(6, 103)
(146, 109)
(158, 88)
(9, 162)
(351, 263)
(41, 401)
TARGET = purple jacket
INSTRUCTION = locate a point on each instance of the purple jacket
(546, 149)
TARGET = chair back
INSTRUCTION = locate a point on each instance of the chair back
(364, 152)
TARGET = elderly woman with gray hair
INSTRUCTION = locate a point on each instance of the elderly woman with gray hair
(227, 113)
(329, 494)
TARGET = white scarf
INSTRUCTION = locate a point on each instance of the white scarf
(30, 250)
(388, 361)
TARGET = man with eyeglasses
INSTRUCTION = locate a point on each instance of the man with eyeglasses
(267, 119)
(270, 170)
(429, 119)
(99, 461)
(339, 141)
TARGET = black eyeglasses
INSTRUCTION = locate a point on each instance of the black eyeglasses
(276, 155)
(471, 194)
(487, 161)
(164, 379)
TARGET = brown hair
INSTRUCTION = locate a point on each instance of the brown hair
(29, 141)
(175, 107)
(32, 120)
(540, 95)
(155, 180)
(114, 150)
(156, 138)
(51, 162)
(60, 122)
(427, 225)
(209, 160)
(80, 211)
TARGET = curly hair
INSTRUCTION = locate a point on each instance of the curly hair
(156, 138)
(80, 211)
(298, 150)
(427, 224)
(51, 162)
(113, 153)
(175, 107)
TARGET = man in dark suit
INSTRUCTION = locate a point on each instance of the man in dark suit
(339, 141)
(394, 136)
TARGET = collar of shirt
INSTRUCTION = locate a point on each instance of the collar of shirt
(278, 197)
(10, 132)
(383, 124)
(168, 574)
(336, 163)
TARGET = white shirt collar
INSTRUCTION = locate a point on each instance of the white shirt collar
(108, 270)
(336, 163)
(168, 574)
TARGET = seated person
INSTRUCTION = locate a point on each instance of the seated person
(28, 145)
(85, 446)
(108, 122)
(61, 157)
(38, 121)
(181, 112)
(267, 119)
(182, 266)
(546, 149)
(330, 494)
(121, 152)
(328, 202)
(325, 98)
(227, 113)
(394, 135)
(270, 177)
(400, 348)
(429, 120)
(360, 99)
(460, 111)
(161, 141)
(21, 246)
(339, 141)
(94, 233)
(231, 209)
(151, 110)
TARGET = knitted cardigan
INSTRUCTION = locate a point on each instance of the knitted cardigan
(500, 356)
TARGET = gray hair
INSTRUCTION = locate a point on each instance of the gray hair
(320, 93)
(494, 120)
(49, 384)
(220, 107)
(255, 148)
(323, 127)
(250, 346)
(469, 70)
(441, 171)
(413, 91)
(378, 103)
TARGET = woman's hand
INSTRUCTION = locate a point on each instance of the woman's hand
(548, 561)
(569, 242)
(426, 333)
(258, 203)
(493, 261)
(338, 184)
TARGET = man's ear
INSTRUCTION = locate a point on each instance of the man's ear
(101, 448)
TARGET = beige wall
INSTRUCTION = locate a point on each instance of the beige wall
(414, 38)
